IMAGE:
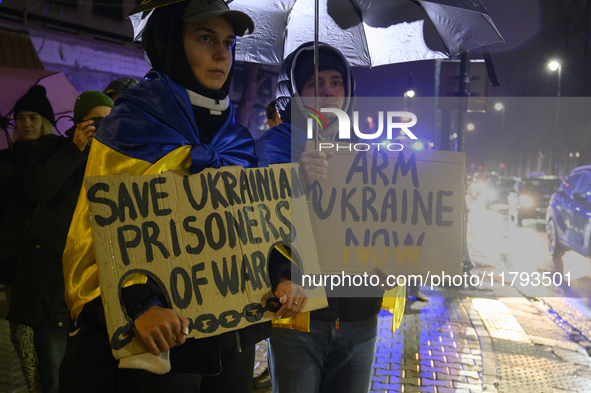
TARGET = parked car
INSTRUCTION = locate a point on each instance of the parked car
(530, 197)
(496, 195)
(568, 220)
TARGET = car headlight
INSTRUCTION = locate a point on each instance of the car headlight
(525, 201)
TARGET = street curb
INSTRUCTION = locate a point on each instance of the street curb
(489, 364)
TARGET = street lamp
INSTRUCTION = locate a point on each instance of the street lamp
(407, 99)
(554, 65)
(499, 107)
(470, 127)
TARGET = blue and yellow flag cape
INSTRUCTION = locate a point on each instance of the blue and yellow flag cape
(150, 130)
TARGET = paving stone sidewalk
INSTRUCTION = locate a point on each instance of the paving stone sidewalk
(439, 347)
(487, 340)
(465, 342)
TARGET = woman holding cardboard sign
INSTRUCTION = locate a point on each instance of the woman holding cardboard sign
(178, 118)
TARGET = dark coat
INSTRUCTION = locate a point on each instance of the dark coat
(15, 206)
(53, 180)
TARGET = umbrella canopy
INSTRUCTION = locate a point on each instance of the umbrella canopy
(16, 82)
(368, 32)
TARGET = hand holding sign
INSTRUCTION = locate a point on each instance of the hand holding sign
(292, 297)
(314, 165)
(161, 329)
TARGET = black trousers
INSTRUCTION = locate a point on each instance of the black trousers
(88, 365)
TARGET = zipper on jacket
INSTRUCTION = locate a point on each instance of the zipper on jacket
(336, 324)
(238, 344)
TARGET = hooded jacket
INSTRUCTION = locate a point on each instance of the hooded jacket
(285, 143)
(271, 147)
(287, 92)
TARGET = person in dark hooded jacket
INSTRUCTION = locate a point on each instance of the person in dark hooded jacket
(336, 355)
(178, 118)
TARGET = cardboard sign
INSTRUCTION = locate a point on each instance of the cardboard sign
(402, 211)
(205, 239)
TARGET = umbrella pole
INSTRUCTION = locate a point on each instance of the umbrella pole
(316, 60)
(464, 79)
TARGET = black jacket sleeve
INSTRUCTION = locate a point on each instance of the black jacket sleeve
(53, 160)
(281, 266)
(138, 298)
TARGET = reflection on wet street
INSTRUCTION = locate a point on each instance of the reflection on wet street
(520, 254)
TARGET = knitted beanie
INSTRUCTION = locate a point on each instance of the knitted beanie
(304, 67)
(88, 100)
(35, 101)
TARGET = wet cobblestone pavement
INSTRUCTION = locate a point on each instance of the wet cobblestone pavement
(436, 349)
(478, 345)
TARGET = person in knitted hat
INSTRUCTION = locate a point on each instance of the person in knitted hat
(55, 171)
(90, 109)
(91, 104)
(33, 115)
(33, 118)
